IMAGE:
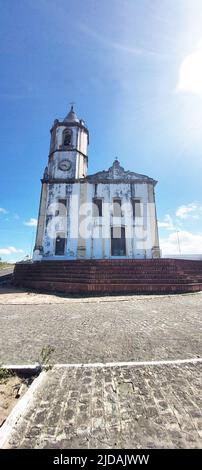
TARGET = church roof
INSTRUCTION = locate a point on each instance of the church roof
(117, 172)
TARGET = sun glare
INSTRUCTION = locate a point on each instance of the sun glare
(190, 77)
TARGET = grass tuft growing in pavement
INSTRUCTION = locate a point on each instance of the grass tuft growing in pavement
(45, 356)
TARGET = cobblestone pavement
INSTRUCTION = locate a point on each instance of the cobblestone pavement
(136, 407)
(103, 330)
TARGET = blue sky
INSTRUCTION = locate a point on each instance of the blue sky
(134, 70)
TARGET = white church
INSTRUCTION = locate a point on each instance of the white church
(110, 214)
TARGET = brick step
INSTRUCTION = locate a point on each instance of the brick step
(86, 288)
(109, 262)
(111, 274)
(85, 276)
(104, 272)
(55, 270)
(117, 266)
(69, 277)
(106, 275)
(109, 265)
(126, 269)
(112, 281)
(127, 261)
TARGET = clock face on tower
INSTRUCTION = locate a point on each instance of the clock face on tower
(64, 165)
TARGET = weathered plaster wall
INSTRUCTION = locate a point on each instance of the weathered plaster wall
(95, 239)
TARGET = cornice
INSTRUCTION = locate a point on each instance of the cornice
(72, 149)
(97, 181)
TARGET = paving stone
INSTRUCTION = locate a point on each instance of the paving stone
(119, 423)
(134, 328)
(144, 406)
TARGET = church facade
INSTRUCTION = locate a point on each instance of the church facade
(110, 214)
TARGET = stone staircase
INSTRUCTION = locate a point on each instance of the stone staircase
(102, 277)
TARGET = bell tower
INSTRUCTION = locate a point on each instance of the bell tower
(67, 163)
(68, 156)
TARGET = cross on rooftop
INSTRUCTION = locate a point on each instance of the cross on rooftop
(72, 104)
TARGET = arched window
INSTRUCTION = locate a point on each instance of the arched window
(67, 137)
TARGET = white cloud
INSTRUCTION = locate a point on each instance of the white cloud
(190, 243)
(3, 211)
(190, 72)
(192, 210)
(108, 42)
(167, 223)
(31, 222)
(9, 250)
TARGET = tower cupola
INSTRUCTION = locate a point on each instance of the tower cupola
(71, 116)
